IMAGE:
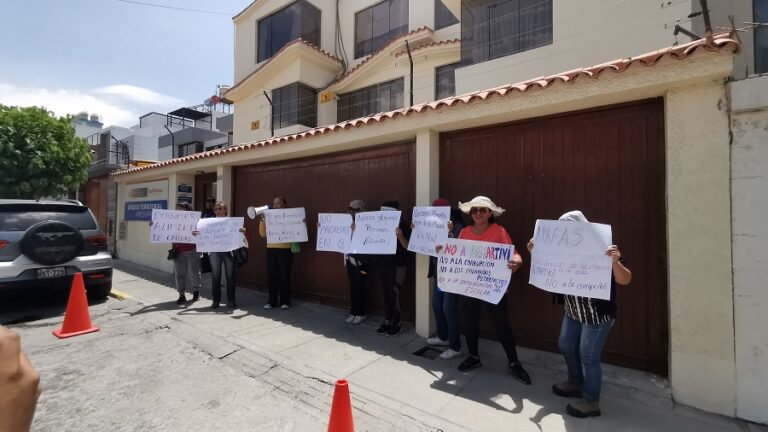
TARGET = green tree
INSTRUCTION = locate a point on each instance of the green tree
(40, 156)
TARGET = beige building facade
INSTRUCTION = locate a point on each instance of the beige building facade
(716, 360)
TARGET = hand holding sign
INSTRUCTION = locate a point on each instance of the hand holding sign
(570, 258)
(475, 269)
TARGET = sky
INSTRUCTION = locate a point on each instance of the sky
(115, 58)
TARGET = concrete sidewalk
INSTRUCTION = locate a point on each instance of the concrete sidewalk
(314, 341)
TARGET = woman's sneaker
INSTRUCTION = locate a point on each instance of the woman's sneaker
(469, 363)
(383, 328)
(436, 341)
(394, 329)
(358, 319)
(583, 409)
(196, 296)
(517, 371)
(449, 354)
(567, 389)
(267, 306)
(349, 319)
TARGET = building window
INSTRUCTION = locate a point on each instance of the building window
(294, 104)
(379, 24)
(377, 98)
(493, 28)
(445, 81)
(760, 14)
(189, 148)
(297, 20)
(443, 16)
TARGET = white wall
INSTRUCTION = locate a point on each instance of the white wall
(749, 188)
(585, 33)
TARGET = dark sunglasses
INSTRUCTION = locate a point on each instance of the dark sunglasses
(474, 210)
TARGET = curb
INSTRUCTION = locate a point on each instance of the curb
(119, 295)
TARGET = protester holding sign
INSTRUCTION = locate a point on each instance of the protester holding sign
(392, 271)
(186, 264)
(225, 261)
(483, 227)
(445, 304)
(279, 261)
(586, 324)
(358, 267)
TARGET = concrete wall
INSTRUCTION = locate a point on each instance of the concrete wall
(749, 186)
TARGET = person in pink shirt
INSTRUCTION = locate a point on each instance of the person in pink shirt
(483, 227)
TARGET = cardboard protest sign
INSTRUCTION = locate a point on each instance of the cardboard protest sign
(430, 229)
(569, 258)
(334, 233)
(375, 233)
(475, 269)
(173, 226)
(286, 225)
(220, 234)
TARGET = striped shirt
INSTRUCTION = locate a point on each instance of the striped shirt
(592, 311)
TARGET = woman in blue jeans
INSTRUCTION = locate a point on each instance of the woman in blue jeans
(445, 304)
(585, 329)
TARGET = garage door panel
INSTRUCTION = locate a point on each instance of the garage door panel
(608, 163)
(326, 185)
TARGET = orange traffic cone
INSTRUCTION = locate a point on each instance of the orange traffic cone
(77, 318)
(341, 410)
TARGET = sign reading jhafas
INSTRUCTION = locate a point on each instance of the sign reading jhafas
(430, 229)
(475, 269)
(334, 232)
(221, 234)
(173, 226)
(569, 258)
(286, 225)
(375, 233)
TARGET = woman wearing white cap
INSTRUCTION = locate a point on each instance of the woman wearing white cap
(483, 227)
(585, 328)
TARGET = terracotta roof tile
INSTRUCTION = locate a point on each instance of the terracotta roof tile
(429, 45)
(372, 55)
(721, 42)
(280, 51)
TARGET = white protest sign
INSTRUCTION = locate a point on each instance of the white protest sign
(220, 234)
(569, 258)
(173, 226)
(430, 229)
(475, 269)
(375, 233)
(334, 232)
(286, 225)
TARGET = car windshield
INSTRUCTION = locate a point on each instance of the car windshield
(19, 217)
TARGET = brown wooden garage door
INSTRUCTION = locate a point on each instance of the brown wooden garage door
(326, 185)
(609, 164)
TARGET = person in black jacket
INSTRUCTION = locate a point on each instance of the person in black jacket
(392, 271)
(359, 267)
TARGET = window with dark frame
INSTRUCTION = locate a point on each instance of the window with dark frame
(294, 104)
(377, 98)
(496, 28)
(445, 81)
(379, 24)
(297, 20)
(760, 14)
(189, 148)
(443, 16)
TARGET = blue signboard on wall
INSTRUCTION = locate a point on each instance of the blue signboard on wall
(142, 210)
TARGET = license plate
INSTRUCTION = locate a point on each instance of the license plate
(47, 273)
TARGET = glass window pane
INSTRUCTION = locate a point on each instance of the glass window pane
(396, 94)
(445, 81)
(342, 108)
(379, 24)
(265, 39)
(363, 32)
(310, 23)
(443, 16)
(760, 14)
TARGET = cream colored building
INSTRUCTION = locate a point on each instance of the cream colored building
(716, 359)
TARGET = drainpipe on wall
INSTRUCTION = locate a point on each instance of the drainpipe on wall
(410, 61)
(271, 119)
(173, 142)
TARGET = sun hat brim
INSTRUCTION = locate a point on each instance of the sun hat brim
(481, 201)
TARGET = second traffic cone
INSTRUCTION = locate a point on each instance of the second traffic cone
(77, 318)
(341, 410)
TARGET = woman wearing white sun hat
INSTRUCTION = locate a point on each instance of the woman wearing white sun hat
(483, 227)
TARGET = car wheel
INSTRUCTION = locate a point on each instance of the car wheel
(51, 243)
(99, 292)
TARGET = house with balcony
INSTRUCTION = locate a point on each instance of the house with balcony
(646, 116)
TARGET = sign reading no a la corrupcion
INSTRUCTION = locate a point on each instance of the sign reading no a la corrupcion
(569, 258)
(475, 269)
